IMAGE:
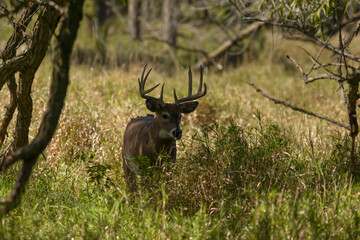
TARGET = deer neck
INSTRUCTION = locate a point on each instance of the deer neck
(159, 142)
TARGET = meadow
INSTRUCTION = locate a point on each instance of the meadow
(246, 168)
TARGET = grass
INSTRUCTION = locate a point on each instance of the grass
(246, 168)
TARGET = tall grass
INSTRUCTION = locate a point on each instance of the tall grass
(246, 169)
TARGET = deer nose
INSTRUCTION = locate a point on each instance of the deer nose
(177, 133)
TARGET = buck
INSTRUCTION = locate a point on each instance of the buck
(148, 136)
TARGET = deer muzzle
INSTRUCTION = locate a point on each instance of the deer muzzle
(177, 134)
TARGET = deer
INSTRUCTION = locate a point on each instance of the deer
(148, 136)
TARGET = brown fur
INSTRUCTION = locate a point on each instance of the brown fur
(148, 136)
(141, 138)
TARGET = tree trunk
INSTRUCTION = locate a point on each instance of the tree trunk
(27, 64)
(170, 17)
(101, 9)
(134, 19)
(351, 101)
(60, 80)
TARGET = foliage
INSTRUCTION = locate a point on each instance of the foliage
(314, 18)
(98, 174)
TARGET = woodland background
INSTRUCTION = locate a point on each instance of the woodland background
(247, 168)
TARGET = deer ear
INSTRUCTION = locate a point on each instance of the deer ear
(153, 105)
(188, 107)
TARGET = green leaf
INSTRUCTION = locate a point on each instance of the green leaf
(346, 7)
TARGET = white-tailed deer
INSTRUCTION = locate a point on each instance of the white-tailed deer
(148, 136)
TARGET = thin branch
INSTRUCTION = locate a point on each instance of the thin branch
(9, 52)
(276, 101)
(31, 58)
(341, 46)
(341, 85)
(351, 37)
(313, 79)
(315, 60)
(346, 21)
(7, 13)
(322, 76)
(317, 64)
(10, 109)
(311, 38)
(298, 66)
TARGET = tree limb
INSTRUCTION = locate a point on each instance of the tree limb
(10, 109)
(309, 37)
(228, 44)
(60, 80)
(313, 79)
(276, 101)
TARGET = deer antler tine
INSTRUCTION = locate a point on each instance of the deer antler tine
(149, 90)
(190, 96)
(162, 91)
(142, 75)
(201, 79)
(175, 97)
(205, 90)
(190, 81)
(142, 90)
(146, 76)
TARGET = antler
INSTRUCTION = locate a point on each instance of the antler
(199, 93)
(142, 90)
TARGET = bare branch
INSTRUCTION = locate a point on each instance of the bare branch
(276, 101)
(228, 44)
(341, 46)
(316, 60)
(346, 21)
(298, 66)
(8, 13)
(32, 57)
(309, 37)
(322, 76)
(340, 61)
(313, 79)
(10, 109)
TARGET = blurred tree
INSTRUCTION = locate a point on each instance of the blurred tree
(134, 9)
(26, 64)
(170, 18)
(100, 29)
(102, 11)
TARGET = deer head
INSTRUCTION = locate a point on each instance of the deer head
(168, 115)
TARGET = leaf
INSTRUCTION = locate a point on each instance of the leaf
(346, 7)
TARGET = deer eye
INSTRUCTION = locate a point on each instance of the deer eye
(165, 116)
